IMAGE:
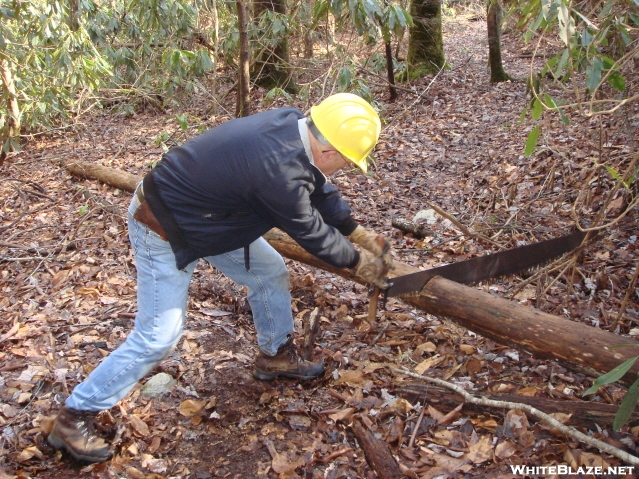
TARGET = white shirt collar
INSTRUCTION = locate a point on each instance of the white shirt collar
(306, 141)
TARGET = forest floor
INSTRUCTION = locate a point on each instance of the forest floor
(67, 282)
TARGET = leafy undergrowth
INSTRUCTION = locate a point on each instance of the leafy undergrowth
(68, 298)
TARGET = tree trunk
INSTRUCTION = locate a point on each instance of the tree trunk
(243, 104)
(391, 72)
(308, 45)
(494, 18)
(273, 67)
(12, 125)
(575, 345)
(216, 50)
(74, 22)
(425, 40)
(309, 26)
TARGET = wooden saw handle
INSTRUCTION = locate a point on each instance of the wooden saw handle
(374, 299)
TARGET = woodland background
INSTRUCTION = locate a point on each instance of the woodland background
(480, 164)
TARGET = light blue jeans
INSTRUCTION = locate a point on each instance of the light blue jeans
(162, 298)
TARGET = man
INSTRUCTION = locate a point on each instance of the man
(213, 198)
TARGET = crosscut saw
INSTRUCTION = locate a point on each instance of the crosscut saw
(489, 266)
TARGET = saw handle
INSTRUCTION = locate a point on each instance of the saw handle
(374, 294)
(372, 304)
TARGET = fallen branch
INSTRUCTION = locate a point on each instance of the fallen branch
(24, 258)
(377, 454)
(629, 291)
(549, 420)
(30, 249)
(117, 178)
(418, 231)
(311, 330)
(583, 414)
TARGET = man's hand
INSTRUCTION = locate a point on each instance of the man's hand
(373, 242)
(372, 269)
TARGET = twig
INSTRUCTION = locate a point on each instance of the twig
(571, 262)
(270, 446)
(603, 210)
(417, 424)
(21, 232)
(12, 367)
(26, 248)
(461, 227)
(337, 395)
(567, 430)
(545, 270)
(380, 334)
(626, 298)
(332, 456)
(26, 258)
(24, 211)
(14, 329)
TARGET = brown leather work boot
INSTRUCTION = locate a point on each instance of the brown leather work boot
(75, 431)
(286, 363)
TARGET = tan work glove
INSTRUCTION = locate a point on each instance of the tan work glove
(373, 242)
(372, 269)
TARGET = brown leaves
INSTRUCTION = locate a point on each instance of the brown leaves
(343, 415)
(193, 409)
(138, 425)
(481, 450)
(190, 407)
(285, 466)
(29, 453)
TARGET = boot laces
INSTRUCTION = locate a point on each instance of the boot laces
(291, 352)
(88, 426)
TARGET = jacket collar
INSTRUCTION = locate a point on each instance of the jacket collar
(320, 178)
(306, 141)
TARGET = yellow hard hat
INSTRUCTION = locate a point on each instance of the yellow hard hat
(350, 124)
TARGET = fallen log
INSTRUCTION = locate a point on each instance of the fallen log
(584, 414)
(119, 179)
(575, 345)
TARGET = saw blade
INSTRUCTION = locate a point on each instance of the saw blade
(489, 266)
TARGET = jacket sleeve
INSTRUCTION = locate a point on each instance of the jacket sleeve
(334, 210)
(286, 200)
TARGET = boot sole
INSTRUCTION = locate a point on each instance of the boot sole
(269, 376)
(58, 444)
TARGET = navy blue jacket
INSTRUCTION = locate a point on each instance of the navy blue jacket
(225, 188)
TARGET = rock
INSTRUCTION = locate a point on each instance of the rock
(425, 216)
(159, 384)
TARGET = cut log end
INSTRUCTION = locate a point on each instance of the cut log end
(417, 230)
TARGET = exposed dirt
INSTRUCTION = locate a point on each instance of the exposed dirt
(68, 298)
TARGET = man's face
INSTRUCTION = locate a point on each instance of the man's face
(332, 162)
